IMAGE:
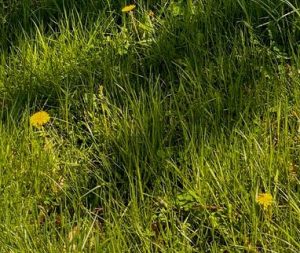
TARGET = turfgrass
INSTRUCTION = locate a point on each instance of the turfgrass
(166, 124)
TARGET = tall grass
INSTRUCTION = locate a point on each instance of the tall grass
(166, 124)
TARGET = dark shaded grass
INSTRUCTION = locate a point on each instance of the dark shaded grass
(174, 44)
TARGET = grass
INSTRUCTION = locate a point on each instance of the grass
(166, 124)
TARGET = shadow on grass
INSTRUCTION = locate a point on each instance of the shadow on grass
(214, 55)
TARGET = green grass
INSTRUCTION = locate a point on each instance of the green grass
(164, 128)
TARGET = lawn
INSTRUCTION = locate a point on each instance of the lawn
(150, 126)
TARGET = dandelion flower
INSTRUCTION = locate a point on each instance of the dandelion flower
(264, 200)
(39, 119)
(128, 8)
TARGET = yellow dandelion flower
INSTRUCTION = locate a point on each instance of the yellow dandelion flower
(264, 200)
(128, 8)
(39, 119)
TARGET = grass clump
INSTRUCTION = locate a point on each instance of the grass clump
(170, 126)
